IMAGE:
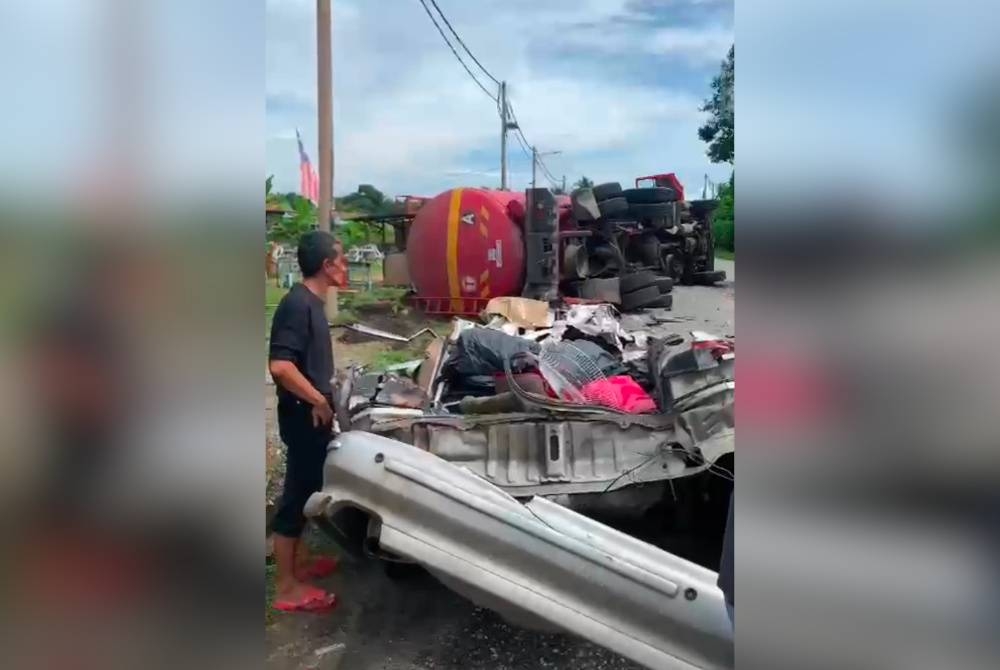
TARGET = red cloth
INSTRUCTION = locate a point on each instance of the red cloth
(622, 393)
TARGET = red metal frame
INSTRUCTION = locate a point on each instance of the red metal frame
(448, 306)
(671, 180)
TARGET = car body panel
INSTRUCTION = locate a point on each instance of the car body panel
(537, 563)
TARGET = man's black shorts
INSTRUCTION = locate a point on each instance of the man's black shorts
(306, 453)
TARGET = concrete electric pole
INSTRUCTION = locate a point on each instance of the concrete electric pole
(504, 125)
(324, 85)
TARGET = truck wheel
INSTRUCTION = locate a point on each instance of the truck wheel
(609, 190)
(665, 301)
(641, 298)
(637, 280)
(606, 258)
(665, 284)
(649, 196)
(670, 265)
(645, 212)
(708, 277)
(613, 207)
(601, 289)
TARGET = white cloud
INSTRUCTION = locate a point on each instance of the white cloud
(697, 46)
(407, 117)
(703, 45)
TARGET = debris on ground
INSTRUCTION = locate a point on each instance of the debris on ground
(522, 312)
(581, 353)
(386, 335)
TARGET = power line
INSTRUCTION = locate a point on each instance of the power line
(467, 50)
(492, 96)
(526, 146)
(522, 140)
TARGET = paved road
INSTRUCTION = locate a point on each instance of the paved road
(710, 308)
(417, 624)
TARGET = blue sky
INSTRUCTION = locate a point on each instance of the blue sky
(614, 84)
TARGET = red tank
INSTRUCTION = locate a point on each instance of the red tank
(469, 243)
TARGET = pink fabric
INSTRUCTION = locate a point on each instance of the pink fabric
(622, 393)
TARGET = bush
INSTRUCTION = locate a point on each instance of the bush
(723, 224)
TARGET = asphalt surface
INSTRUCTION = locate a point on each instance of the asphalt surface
(418, 624)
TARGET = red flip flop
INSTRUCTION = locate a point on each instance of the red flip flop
(317, 600)
(320, 567)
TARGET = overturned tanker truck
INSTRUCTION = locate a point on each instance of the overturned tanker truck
(623, 246)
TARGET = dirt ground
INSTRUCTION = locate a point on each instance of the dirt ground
(416, 623)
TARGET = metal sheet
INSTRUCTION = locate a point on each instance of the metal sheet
(535, 563)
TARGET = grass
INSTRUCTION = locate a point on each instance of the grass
(345, 316)
(378, 294)
(386, 359)
(347, 304)
(272, 296)
(725, 254)
(270, 571)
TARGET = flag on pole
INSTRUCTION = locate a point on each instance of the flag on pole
(308, 179)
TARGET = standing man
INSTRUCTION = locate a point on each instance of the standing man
(301, 362)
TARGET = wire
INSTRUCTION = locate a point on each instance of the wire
(547, 173)
(492, 96)
(471, 55)
(526, 148)
(522, 140)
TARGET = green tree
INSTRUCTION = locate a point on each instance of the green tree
(723, 221)
(301, 219)
(366, 200)
(719, 130)
(270, 197)
(583, 182)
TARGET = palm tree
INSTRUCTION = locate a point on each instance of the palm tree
(583, 182)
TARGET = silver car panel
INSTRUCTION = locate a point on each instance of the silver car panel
(537, 563)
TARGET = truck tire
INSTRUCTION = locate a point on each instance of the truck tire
(665, 301)
(708, 277)
(665, 284)
(613, 207)
(609, 190)
(637, 280)
(645, 212)
(674, 266)
(604, 259)
(649, 196)
(644, 297)
(601, 289)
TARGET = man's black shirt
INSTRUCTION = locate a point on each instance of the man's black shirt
(300, 334)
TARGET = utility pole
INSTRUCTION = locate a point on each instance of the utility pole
(564, 184)
(324, 86)
(534, 165)
(504, 125)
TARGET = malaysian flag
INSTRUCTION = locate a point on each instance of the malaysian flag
(308, 179)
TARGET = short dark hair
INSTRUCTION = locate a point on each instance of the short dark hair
(315, 247)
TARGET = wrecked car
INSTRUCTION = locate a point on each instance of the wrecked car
(483, 399)
(570, 469)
